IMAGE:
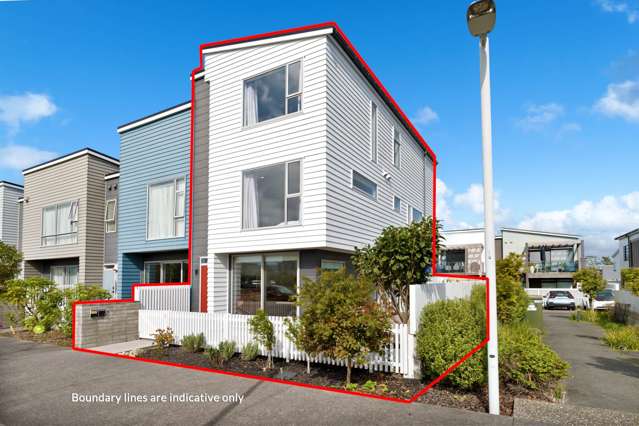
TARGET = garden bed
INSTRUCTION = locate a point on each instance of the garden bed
(378, 383)
(54, 337)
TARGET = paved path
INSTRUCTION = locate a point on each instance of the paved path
(37, 382)
(600, 377)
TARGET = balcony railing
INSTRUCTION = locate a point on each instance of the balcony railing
(561, 266)
(451, 267)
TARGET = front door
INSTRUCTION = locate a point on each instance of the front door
(204, 278)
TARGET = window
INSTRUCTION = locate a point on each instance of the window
(109, 216)
(64, 276)
(264, 282)
(414, 215)
(452, 261)
(170, 271)
(373, 132)
(364, 184)
(397, 204)
(60, 224)
(166, 205)
(625, 253)
(273, 94)
(272, 195)
(396, 147)
(332, 265)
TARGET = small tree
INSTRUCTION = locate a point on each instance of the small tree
(10, 260)
(79, 292)
(342, 319)
(38, 298)
(630, 279)
(512, 299)
(262, 328)
(591, 282)
(300, 333)
(399, 257)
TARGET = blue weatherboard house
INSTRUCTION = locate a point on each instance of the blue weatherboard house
(153, 199)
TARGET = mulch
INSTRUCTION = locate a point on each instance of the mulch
(54, 337)
(378, 383)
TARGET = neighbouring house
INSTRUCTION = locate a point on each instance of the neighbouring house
(110, 271)
(303, 156)
(63, 217)
(10, 195)
(550, 258)
(627, 253)
(153, 199)
(462, 252)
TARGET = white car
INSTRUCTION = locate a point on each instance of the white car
(561, 299)
(603, 300)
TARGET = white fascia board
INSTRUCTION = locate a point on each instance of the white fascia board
(10, 185)
(268, 40)
(530, 231)
(154, 117)
(112, 176)
(71, 157)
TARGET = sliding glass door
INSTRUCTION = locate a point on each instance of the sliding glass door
(264, 282)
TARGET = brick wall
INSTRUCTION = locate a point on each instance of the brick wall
(118, 323)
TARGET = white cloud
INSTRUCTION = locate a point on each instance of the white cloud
(27, 108)
(425, 115)
(612, 6)
(621, 100)
(539, 116)
(473, 199)
(20, 156)
(597, 221)
(443, 209)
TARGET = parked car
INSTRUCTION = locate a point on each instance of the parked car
(603, 300)
(559, 299)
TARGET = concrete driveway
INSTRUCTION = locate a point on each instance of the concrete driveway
(600, 376)
(37, 383)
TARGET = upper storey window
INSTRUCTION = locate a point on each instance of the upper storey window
(273, 94)
(60, 224)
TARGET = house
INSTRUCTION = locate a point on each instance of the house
(110, 271)
(63, 217)
(305, 156)
(627, 254)
(10, 194)
(550, 258)
(153, 199)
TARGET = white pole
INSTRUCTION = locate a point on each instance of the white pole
(489, 247)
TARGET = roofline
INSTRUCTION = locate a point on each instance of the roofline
(350, 50)
(627, 234)
(531, 231)
(462, 230)
(112, 176)
(154, 117)
(11, 184)
(71, 156)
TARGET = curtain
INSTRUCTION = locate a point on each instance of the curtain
(65, 227)
(48, 225)
(250, 211)
(161, 204)
(250, 104)
(57, 275)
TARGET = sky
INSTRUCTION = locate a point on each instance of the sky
(565, 91)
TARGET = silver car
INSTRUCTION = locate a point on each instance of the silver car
(559, 299)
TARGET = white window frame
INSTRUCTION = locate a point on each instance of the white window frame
(398, 208)
(175, 216)
(287, 95)
(113, 220)
(374, 130)
(75, 204)
(286, 195)
(410, 213)
(361, 191)
(181, 262)
(342, 264)
(66, 283)
(397, 147)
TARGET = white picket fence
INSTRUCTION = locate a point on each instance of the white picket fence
(164, 297)
(396, 357)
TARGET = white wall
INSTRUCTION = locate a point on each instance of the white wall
(515, 242)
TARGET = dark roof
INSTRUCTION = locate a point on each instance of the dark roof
(151, 115)
(62, 157)
(627, 233)
(11, 183)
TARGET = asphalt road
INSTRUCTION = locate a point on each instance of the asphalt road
(37, 383)
(600, 376)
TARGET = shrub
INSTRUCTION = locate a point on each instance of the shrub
(250, 351)
(591, 281)
(624, 338)
(448, 330)
(524, 358)
(10, 260)
(213, 352)
(399, 257)
(262, 328)
(630, 279)
(341, 317)
(194, 342)
(79, 292)
(38, 298)
(163, 338)
(227, 350)
(512, 299)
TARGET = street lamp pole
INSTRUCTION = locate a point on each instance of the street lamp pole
(481, 20)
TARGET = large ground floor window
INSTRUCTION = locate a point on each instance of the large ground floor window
(65, 276)
(264, 281)
(166, 271)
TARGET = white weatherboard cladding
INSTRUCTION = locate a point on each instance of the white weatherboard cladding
(9, 214)
(354, 219)
(234, 148)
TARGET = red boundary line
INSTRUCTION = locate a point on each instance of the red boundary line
(415, 133)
